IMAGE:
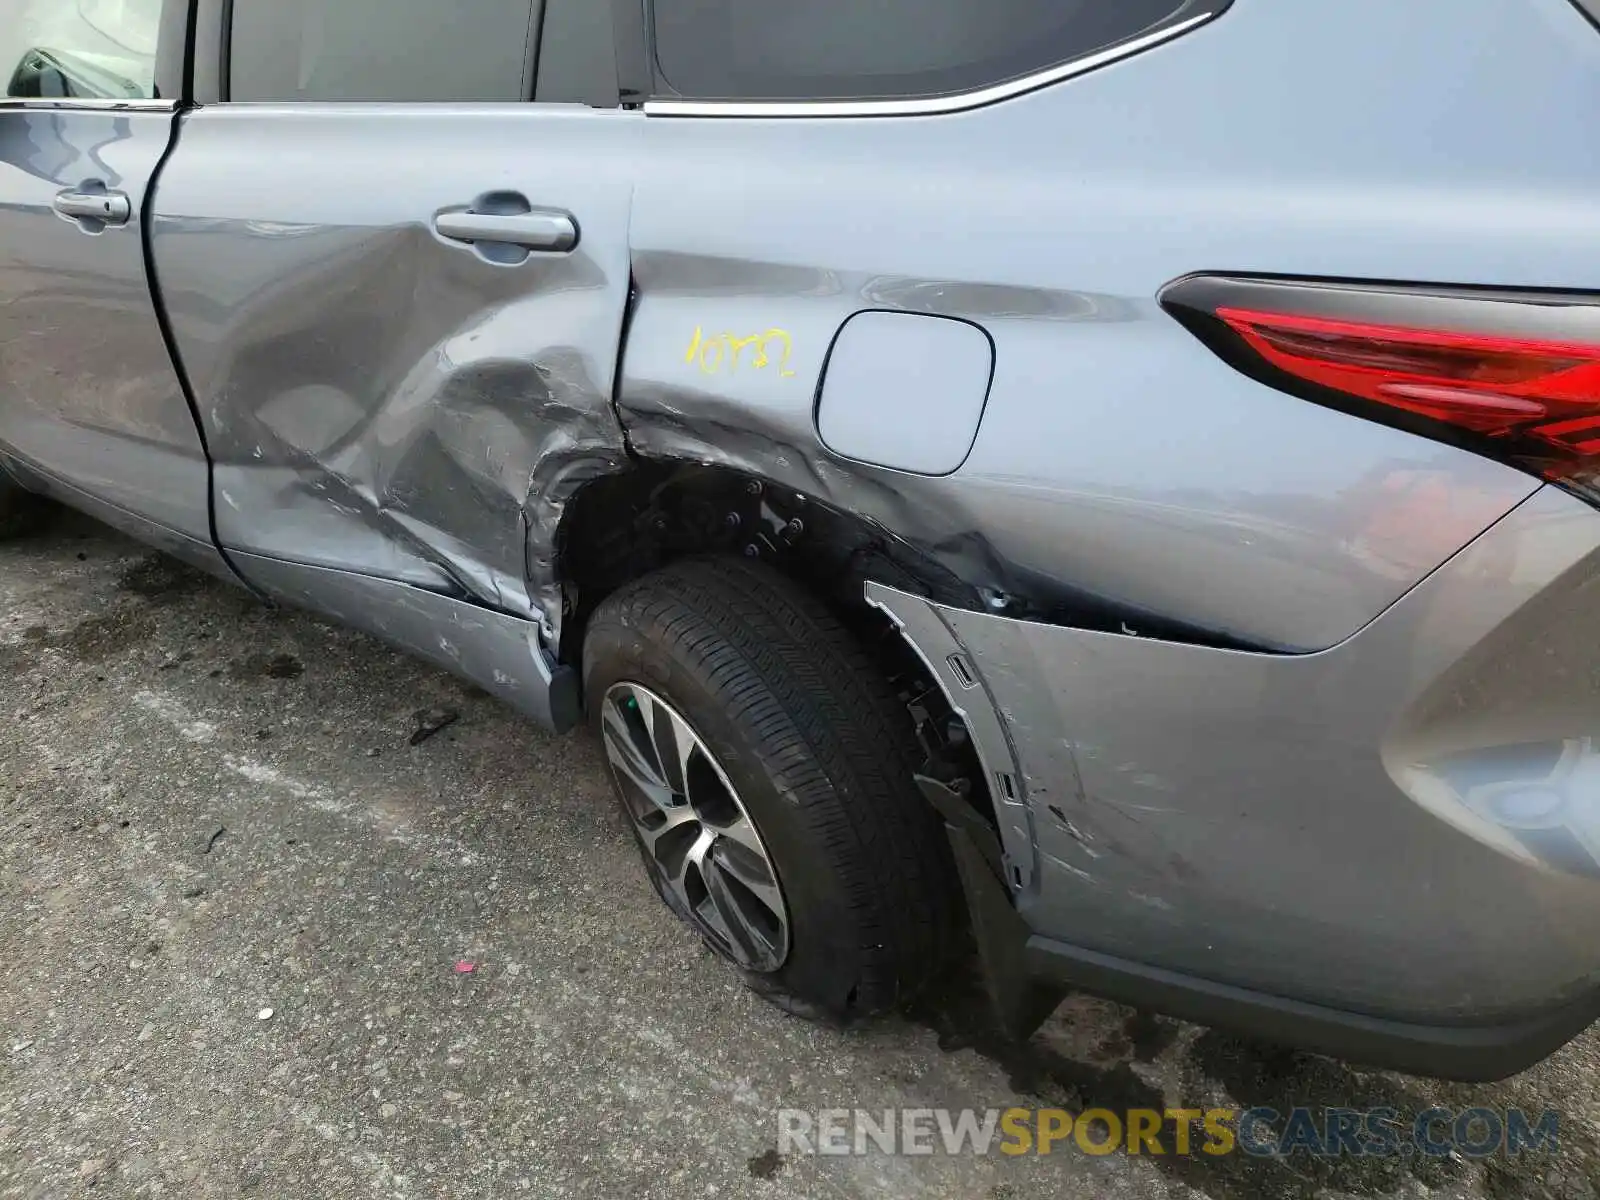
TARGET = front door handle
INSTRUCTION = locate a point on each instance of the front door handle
(94, 209)
(546, 230)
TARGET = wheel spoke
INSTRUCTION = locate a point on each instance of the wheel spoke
(658, 835)
(707, 854)
(641, 729)
(629, 763)
(741, 855)
(752, 941)
(718, 909)
(700, 851)
(742, 833)
(629, 732)
(674, 743)
(692, 864)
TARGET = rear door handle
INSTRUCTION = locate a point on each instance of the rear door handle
(553, 232)
(94, 209)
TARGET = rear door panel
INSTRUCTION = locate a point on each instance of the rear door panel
(377, 398)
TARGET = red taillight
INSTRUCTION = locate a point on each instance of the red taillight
(1543, 396)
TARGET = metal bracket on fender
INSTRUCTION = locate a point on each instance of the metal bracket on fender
(957, 676)
(994, 865)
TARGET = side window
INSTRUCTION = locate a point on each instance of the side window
(79, 49)
(882, 49)
(578, 54)
(383, 50)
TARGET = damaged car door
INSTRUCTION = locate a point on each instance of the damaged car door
(397, 285)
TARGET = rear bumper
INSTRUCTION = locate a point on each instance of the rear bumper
(1388, 850)
(1468, 1052)
(1026, 975)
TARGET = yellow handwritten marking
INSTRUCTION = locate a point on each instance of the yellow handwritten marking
(788, 350)
(730, 350)
(736, 347)
(700, 351)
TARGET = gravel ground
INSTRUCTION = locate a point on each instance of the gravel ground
(210, 809)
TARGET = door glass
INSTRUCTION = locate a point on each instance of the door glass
(382, 50)
(84, 49)
(578, 54)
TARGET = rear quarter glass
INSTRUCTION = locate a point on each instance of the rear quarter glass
(835, 49)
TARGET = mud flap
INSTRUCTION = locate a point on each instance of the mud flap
(1021, 1003)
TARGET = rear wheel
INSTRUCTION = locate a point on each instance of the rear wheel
(766, 770)
(20, 510)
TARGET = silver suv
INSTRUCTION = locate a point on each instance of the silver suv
(1117, 474)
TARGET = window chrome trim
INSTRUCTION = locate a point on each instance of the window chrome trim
(932, 105)
(87, 104)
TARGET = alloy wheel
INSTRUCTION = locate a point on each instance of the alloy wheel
(708, 858)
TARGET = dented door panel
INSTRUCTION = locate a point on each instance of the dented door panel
(380, 399)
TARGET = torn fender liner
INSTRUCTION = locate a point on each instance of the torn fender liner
(725, 433)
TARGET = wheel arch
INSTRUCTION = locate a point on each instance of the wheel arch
(629, 523)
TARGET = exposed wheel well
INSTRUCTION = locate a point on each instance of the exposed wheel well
(627, 525)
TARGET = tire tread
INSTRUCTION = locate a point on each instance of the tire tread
(838, 741)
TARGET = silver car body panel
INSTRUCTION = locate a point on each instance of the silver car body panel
(382, 460)
(1117, 456)
(1368, 800)
(90, 397)
(1349, 827)
(378, 398)
(190, 549)
(499, 653)
(904, 391)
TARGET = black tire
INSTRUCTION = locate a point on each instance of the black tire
(20, 510)
(821, 754)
